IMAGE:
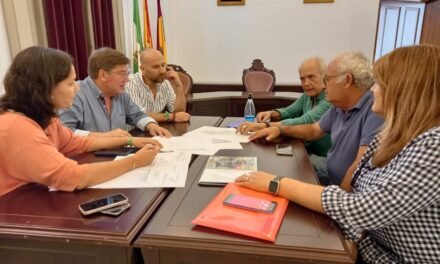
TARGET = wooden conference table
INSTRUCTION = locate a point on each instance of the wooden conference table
(38, 226)
(304, 237)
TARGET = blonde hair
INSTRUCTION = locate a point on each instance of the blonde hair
(410, 81)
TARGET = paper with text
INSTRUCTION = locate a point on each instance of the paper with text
(167, 170)
(225, 133)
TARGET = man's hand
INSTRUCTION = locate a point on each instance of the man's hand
(247, 127)
(181, 117)
(263, 116)
(268, 134)
(156, 130)
(173, 77)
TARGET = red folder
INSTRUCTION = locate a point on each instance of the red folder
(241, 221)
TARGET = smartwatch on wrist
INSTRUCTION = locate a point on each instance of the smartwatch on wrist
(274, 185)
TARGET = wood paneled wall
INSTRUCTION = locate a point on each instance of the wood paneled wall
(431, 23)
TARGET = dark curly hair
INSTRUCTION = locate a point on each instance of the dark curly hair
(29, 81)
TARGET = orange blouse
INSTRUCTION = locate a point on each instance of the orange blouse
(30, 154)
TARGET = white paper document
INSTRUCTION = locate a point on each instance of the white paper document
(225, 133)
(224, 169)
(167, 170)
(198, 144)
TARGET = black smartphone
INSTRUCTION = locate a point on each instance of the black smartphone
(115, 211)
(115, 152)
(250, 203)
(284, 149)
(103, 203)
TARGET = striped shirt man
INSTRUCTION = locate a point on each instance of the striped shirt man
(142, 96)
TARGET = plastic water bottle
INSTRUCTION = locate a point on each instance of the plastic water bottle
(249, 110)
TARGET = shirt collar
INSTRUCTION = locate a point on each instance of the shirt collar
(360, 103)
(320, 96)
(139, 76)
(96, 92)
(363, 100)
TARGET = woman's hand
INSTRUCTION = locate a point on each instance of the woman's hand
(145, 155)
(141, 142)
(257, 180)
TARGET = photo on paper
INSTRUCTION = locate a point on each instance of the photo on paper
(234, 163)
(220, 170)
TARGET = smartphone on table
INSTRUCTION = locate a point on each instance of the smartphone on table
(250, 203)
(115, 211)
(102, 204)
(284, 149)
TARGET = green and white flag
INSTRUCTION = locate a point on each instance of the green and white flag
(137, 33)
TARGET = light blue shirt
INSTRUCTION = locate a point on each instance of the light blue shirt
(88, 112)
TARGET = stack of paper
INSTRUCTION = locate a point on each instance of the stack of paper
(204, 141)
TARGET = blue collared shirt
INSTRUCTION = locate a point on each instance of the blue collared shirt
(349, 130)
(88, 112)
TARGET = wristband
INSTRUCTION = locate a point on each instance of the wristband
(280, 127)
(167, 116)
(172, 117)
(130, 141)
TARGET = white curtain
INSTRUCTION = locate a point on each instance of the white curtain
(5, 52)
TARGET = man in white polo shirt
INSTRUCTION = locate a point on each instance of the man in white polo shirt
(157, 89)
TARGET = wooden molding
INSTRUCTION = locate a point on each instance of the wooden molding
(206, 87)
(230, 2)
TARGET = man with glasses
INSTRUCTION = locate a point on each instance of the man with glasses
(102, 107)
(306, 110)
(157, 89)
(350, 122)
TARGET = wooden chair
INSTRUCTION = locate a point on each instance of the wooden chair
(185, 78)
(257, 78)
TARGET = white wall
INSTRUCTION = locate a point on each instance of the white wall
(5, 53)
(215, 43)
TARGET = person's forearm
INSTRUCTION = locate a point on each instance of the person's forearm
(348, 177)
(304, 194)
(275, 115)
(346, 181)
(98, 134)
(180, 103)
(159, 117)
(104, 171)
(108, 143)
(305, 132)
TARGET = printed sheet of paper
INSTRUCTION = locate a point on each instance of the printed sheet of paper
(225, 133)
(198, 145)
(224, 169)
(167, 170)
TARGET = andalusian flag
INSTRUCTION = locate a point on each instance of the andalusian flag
(148, 41)
(161, 45)
(137, 32)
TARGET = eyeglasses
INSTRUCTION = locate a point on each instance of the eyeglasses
(121, 73)
(327, 78)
